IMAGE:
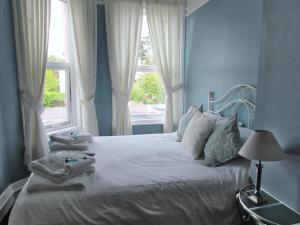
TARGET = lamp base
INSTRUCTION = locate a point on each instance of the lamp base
(257, 198)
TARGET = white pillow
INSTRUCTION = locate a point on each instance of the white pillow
(196, 134)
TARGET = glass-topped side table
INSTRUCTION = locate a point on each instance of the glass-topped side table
(271, 212)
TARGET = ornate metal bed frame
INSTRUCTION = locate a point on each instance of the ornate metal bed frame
(237, 97)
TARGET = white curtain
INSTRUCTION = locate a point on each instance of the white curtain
(123, 25)
(31, 24)
(84, 38)
(166, 25)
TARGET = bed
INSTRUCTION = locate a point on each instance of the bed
(141, 180)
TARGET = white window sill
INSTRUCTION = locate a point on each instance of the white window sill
(146, 122)
(147, 119)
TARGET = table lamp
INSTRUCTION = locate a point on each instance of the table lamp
(261, 146)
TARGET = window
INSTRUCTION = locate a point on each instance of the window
(57, 79)
(147, 99)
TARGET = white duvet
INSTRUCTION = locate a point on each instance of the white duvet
(140, 180)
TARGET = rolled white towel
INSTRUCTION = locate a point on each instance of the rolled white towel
(73, 137)
(40, 183)
(62, 165)
(57, 146)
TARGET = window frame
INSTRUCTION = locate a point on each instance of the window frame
(65, 66)
(147, 118)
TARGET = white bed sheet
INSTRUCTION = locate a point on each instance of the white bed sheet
(145, 179)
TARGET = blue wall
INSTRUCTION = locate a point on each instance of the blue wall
(278, 100)
(103, 98)
(222, 47)
(11, 136)
(3, 170)
(147, 129)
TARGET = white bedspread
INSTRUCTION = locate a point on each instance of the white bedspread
(141, 180)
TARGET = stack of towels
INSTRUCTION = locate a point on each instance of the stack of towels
(63, 170)
(75, 140)
(66, 167)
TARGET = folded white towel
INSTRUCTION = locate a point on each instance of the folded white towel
(40, 183)
(71, 137)
(87, 152)
(56, 146)
(62, 165)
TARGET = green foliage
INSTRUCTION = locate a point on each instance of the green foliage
(137, 93)
(54, 99)
(51, 81)
(148, 89)
(52, 96)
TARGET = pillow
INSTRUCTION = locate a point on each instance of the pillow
(197, 133)
(223, 144)
(185, 119)
(220, 119)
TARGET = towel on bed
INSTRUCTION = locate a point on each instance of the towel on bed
(62, 165)
(87, 152)
(56, 146)
(40, 183)
(72, 137)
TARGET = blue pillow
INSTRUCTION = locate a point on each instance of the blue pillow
(185, 119)
(223, 144)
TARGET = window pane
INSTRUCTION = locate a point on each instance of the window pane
(147, 99)
(55, 98)
(58, 48)
(145, 56)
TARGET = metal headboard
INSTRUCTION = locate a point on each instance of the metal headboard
(239, 96)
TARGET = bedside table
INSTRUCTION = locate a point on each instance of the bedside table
(272, 212)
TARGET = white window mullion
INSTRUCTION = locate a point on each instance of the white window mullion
(58, 66)
(68, 95)
(147, 68)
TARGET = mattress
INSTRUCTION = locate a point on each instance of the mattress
(143, 179)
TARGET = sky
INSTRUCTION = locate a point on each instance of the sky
(58, 30)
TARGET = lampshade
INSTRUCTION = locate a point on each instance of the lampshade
(262, 145)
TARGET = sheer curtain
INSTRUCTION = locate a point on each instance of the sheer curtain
(166, 26)
(31, 24)
(84, 38)
(123, 25)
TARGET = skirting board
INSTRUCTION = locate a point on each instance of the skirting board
(9, 196)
